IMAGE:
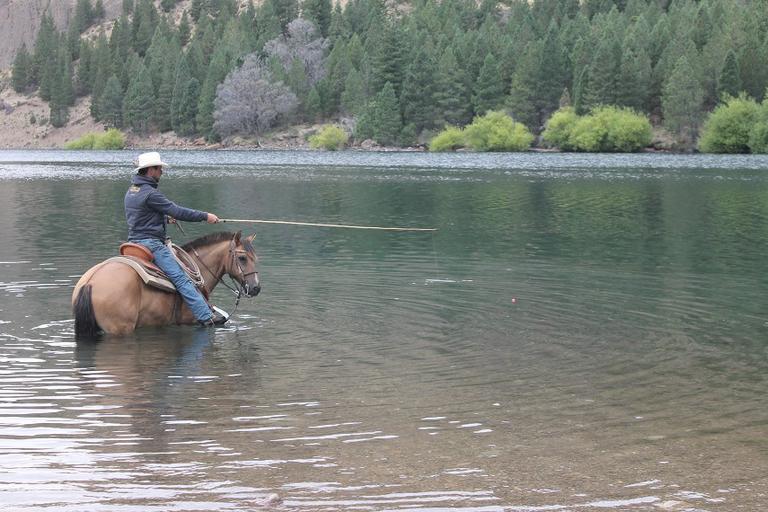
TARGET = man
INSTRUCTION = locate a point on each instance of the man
(147, 211)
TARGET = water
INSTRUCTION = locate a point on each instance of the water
(584, 332)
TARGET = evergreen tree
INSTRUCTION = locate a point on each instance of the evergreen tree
(101, 70)
(729, 82)
(604, 71)
(521, 101)
(139, 98)
(634, 81)
(98, 10)
(195, 9)
(318, 11)
(681, 102)
(489, 89)
(82, 80)
(285, 10)
(384, 48)
(217, 71)
(386, 129)
(44, 55)
(184, 29)
(452, 97)
(313, 106)
(167, 5)
(353, 97)
(164, 99)
(111, 103)
(62, 96)
(22, 69)
(185, 97)
(417, 101)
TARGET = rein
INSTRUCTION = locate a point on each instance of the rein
(238, 289)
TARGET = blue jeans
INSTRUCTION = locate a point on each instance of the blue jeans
(168, 264)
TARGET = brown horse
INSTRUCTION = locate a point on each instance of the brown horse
(111, 297)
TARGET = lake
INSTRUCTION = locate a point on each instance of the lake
(583, 332)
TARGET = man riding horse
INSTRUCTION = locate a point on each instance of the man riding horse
(148, 212)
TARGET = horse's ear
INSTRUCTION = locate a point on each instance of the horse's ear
(252, 238)
(237, 237)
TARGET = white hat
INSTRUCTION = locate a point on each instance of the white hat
(150, 159)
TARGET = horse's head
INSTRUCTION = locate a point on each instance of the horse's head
(241, 265)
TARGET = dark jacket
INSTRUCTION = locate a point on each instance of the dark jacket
(146, 208)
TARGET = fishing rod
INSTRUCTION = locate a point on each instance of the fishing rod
(323, 225)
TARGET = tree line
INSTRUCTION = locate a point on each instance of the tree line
(401, 71)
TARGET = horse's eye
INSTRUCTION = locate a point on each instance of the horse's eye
(242, 259)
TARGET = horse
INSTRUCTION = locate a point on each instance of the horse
(111, 297)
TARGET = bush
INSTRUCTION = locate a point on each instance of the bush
(557, 131)
(608, 128)
(111, 139)
(451, 138)
(728, 127)
(85, 142)
(330, 137)
(497, 131)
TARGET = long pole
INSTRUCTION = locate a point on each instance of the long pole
(322, 225)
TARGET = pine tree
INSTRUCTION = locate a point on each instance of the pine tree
(62, 96)
(185, 96)
(521, 101)
(634, 81)
(681, 102)
(196, 9)
(44, 55)
(101, 70)
(386, 129)
(98, 10)
(452, 97)
(729, 82)
(20, 75)
(111, 103)
(82, 80)
(417, 101)
(285, 10)
(353, 97)
(164, 98)
(318, 11)
(313, 107)
(139, 98)
(167, 5)
(217, 71)
(184, 29)
(489, 89)
(602, 87)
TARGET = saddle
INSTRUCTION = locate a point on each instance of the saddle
(140, 259)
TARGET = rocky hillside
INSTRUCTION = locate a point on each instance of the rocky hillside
(20, 19)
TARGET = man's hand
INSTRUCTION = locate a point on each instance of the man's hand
(212, 219)
(171, 220)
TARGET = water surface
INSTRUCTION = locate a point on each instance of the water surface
(584, 332)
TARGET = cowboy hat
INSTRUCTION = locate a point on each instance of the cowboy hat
(150, 159)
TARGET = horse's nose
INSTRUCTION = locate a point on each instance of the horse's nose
(254, 291)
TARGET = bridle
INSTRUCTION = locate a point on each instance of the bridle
(236, 288)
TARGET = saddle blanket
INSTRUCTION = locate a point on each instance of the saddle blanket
(151, 275)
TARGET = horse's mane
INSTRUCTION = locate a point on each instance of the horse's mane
(209, 239)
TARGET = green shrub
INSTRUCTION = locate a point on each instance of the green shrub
(497, 131)
(758, 135)
(451, 138)
(609, 128)
(557, 131)
(728, 127)
(84, 142)
(111, 139)
(330, 137)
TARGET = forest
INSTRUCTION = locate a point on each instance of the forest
(398, 72)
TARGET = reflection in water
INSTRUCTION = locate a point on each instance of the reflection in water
(578, 335)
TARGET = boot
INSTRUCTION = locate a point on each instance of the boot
(216, 319)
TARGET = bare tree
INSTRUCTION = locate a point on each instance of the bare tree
(249, 102)
(301, 42)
